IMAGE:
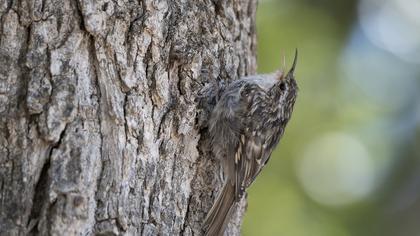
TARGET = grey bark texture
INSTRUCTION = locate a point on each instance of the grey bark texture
(102, 124)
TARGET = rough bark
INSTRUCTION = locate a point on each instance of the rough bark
(101, 127)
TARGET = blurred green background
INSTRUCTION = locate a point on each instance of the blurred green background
(349, 163)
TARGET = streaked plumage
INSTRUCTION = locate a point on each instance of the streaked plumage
(246, 125)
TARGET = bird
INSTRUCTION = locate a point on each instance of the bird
(245, 126)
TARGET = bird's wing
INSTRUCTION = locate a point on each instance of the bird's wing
(261, 160)
(251, 153)
(250, 150)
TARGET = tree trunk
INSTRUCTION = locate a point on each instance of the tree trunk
(101, 129)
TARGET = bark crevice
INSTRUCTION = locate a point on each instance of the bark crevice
(39, 198)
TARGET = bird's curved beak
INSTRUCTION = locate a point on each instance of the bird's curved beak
(291, 73)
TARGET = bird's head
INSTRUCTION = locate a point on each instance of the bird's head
(285, 89)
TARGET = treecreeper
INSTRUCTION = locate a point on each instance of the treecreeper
(245, 126)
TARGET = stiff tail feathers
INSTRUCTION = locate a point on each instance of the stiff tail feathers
(221, 211)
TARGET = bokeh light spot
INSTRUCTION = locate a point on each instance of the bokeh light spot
(392, 25)
(336, 169)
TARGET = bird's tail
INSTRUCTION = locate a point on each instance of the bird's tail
(221, 211)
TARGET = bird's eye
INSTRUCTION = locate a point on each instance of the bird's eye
(282, 86)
